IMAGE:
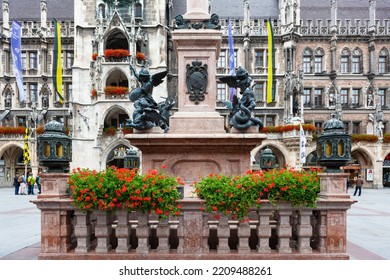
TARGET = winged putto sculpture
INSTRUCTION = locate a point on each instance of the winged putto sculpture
(147, 113)
(241, 108)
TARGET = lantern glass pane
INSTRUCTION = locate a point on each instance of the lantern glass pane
(68, 151)
(319, 150)
(46, 149)
(59, 150)
(328, 148)
(340, 148)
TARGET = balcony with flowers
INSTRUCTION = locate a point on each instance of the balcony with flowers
(116, 55)
(12, 132)
(288, 131)
(116, 92)
(121, 214)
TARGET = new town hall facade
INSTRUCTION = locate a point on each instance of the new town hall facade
(331, 56)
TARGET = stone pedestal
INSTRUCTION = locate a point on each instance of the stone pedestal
(333, 185)
(56, 224)
(202, 46)
(54, 185)
(333, 188)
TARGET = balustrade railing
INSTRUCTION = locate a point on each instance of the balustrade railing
(271, 232)
(306, 27)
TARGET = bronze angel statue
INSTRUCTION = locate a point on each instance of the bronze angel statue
(147, 113)
(241, 108)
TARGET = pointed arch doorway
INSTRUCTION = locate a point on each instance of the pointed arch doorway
(124, 157)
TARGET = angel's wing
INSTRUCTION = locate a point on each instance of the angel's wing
(156, 117)
(231, 81)
(158, 78)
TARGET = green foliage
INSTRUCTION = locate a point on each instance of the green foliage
(364, 137)
(235, 195)
(121, 188)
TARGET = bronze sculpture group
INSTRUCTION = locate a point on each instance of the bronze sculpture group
(148, 113)
(241, 108)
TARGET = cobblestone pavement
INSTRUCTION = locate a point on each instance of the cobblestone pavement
(368, 226)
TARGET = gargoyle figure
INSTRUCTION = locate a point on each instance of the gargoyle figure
(146, 114)
(241, 108)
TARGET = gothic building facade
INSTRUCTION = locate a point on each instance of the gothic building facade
(330, 57)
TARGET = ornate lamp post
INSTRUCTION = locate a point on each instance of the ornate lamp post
(267, 159)
(54, 148)
(333, 146)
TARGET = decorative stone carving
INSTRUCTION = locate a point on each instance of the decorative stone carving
(5, 6)
(196, 78)
(43, 6)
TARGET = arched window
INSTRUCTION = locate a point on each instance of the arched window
(345, 62)
(383, 61)
(319, 61)
(307, 60)
(357, 61)
(138, 11)
(117, 40)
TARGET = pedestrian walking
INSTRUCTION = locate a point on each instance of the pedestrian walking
(30, 184)
(348, 184)
(38, 182)
(16, 183)
(359, 185)
(22, 181)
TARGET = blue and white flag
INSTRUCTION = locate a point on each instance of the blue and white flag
(302, 145)
(16, 35)
(231, 59)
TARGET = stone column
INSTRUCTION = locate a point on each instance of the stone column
(103, 231)
(264, 231)
(304, 231)
(6, 28)
(223, 233)
(123, 232)
(197, 10)
(378, 171)
(372, 9)
(284, 231)
(43, 17)
(244, 232)
(143, 233)
(333, 24)
(83, 231)
(163, 236)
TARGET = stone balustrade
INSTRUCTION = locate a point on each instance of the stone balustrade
(258, 27)
(272, 232)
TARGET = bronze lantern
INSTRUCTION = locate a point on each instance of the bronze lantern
(131, 159)
(333, 146)
(54, 148)
(267, 159)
